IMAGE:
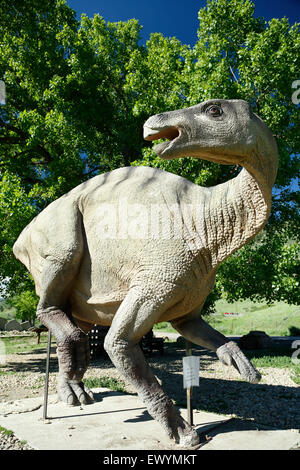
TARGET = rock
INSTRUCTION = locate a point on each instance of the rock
(25, 325)
(255, 340)
(3, 322)
(13, 325)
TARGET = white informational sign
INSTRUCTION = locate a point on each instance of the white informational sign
(191, 371)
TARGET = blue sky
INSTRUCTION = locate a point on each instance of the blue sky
(174, 18)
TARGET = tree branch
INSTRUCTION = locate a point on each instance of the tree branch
(233, 74)
(48, 157)
(16, 140)
(11, 140)
(90, 172)
(13, 128)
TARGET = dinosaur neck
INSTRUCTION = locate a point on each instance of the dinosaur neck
(238, 209)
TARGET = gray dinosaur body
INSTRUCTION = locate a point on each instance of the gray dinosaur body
(137, 246)
(160, 260)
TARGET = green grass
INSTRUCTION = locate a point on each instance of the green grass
(25, 344)
(295, 375)
(5, 431)
(8, 432)
(277, 356)
(106, 382)
(164, 326)
(279, 319)
(7, 372)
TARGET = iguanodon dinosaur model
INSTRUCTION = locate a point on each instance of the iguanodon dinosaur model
(138, 245)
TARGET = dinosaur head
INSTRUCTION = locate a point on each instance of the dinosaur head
(222, 131)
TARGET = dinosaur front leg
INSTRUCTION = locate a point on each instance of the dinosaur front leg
(135, 317)
(196, 330)
(73, 355)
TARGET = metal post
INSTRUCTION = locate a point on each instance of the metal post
(189, 389)
(47, 376)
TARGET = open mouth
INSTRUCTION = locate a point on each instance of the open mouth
(169, 133)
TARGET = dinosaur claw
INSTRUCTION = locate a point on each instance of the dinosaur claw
(82, 399)
(71, 400)
(230, 354)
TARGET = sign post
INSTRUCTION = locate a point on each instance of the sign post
(47, 377)
(190, 378)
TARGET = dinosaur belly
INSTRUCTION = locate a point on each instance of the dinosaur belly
(101, 306)
(97, 297)
(94, 313)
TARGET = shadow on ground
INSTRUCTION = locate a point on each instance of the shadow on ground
(268, 404)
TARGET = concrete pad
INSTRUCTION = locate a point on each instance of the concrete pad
(247, 435)
(115, 422)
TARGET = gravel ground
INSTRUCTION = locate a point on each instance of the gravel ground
(274, 402)
(10, 442)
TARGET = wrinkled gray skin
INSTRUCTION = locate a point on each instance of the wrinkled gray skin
(131, 283)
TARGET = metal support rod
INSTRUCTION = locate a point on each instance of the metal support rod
(189, 390)
(47, 376)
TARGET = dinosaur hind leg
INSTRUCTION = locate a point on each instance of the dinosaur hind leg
(135, 316)
(71, 338)
(56, 251)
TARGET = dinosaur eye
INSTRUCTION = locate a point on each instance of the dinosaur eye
(214, 110)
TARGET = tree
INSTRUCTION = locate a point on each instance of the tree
(78, 93)
(272, 262)
(25, 304)
(257, 62)
(64, 110)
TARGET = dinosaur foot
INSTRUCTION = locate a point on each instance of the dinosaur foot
(74, 392)
(230, 354)
(73, 357)
(179, 430)
(73, 354)
(187, 437)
